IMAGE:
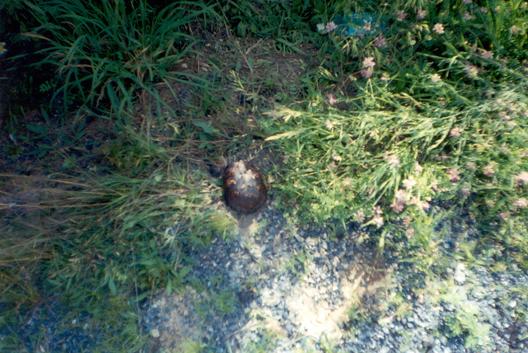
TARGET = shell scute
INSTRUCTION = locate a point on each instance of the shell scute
(244, 187)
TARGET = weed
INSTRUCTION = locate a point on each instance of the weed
(296, 264)
(465, 319)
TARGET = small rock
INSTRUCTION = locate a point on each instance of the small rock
(460, 273)
(155, 333)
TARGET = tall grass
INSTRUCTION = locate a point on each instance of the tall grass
(117, 240)
(112, 52)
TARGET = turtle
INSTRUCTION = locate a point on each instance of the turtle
(244, 188)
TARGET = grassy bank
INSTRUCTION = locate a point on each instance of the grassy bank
(396, 118)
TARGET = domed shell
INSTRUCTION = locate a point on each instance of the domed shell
(244, 187)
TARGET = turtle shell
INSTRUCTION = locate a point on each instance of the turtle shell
(244, 187)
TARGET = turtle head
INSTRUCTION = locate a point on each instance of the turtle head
(216, 168)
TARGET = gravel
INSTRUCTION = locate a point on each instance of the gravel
(299, 290)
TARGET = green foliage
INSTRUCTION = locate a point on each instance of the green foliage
(431, 112)
(465, 321)
(108, 53)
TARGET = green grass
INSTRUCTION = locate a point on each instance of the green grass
(406, 134)
(113, 53)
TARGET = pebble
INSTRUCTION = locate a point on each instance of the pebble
(460, 273)
(155, 333)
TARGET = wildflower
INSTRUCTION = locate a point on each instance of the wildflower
(347, 182)
(471, 70)
(368, 62)
(329, 124)
(409, 232)
(401, 196)
(483, 10)
(401, 15)
(378, 220)
(409, 183)
(407, 220)
(385, 77)
(439, 28)
(455, 132)
(367, 26)
(435, 78)
(418, 168)
(520, 203)
(467, 2)
(368, 67)
(326, 28)
(453, 175)
(521, 179)
(489, 170)
(504, 215)
(424, 205)
(337, 158)
(378, 216)
(367, 73)
(331, 98)
(400, 200)
(2, 48)
(420, 14)
(466, 190)
(515, 30)
(393, 160)
(330, 26)
(331, 166)
(380, 42)
(359, 216)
